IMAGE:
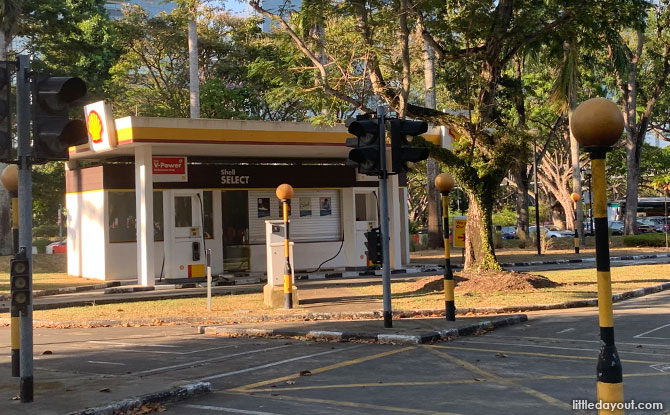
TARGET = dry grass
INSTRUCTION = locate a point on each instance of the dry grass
(49, 272)
(222, 307)
(512, 254)
(574, 285)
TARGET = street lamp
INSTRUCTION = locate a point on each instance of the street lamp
(575, 198)
(597, 125)
(285, 192)
(444, 183)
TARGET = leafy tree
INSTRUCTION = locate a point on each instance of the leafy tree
(475, 43)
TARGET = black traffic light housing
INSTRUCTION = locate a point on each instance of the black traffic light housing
(373, 242)
(5, 113)
(402, 151)
(53, 130)
(20, 281)
(365, 154)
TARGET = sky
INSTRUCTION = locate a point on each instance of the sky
(236, 6)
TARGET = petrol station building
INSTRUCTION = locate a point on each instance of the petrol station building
(146, 197)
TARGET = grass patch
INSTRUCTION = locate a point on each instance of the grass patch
(572, 285)
(49, 272)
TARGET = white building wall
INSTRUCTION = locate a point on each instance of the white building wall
(86, 234)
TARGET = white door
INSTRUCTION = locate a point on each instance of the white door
(185, 254)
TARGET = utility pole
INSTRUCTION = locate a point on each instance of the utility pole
(25, 221)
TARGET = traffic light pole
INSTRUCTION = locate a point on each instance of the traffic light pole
(25, 221)
(384, 219)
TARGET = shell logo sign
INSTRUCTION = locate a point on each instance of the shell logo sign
(94, 125)
(100, 126)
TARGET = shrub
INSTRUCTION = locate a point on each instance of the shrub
(645, 239)
(45, 231)
(41, 244)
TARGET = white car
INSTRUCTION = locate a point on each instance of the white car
(553, 232)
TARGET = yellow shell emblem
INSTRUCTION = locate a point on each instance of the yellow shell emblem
(94, 124)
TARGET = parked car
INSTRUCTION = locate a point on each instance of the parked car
(616, 226)
(658, 222)
(645, 226)
(553, 232)
(508, 232)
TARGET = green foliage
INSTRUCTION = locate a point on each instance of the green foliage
(654, 164)
(48, 192)
(46, 231)
(41, 244)
(506, 217)
(645, 239)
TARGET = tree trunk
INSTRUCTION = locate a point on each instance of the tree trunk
(557, 214)
(633, 155)
(435, 239)
(520, 179)
(576, 178)
(479, 248)
(194, 80)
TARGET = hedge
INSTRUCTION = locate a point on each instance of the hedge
(645, 239)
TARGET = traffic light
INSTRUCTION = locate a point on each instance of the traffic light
(53, 130)
(20, 281)
(374, 244)
(365, 153)
(5, 111)
(402, 151)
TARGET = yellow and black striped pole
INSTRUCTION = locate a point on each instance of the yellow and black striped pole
(284, 193)
(444, 183)
(10, 179)
(597, 124)
(575, 198)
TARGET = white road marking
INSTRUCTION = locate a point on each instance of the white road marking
(133, 344)
(565, 330)
(106, 363)
(651, 331)
(197, 362)
(280, 362)
(573, 340)
(661, 367)
(123, 345)
(557, 347)
(229, 410)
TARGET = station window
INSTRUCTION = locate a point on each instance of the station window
(122, 221)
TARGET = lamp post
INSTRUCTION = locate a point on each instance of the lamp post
(575, 198)
(444, 183)
(285, 192)
(666, 190)
(587, 173)
(10, 179)
(597, 125)
(538, 234)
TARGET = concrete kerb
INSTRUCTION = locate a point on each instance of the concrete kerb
(175, 394)
(70, 290)
(382, 338)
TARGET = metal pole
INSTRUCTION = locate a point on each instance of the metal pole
(15, 319)
(538, 234)
(25, 221)
(576, 231)
(288, 289)
(384, 219)
(209, 279)
(449, 304)
(665, 209)
(593, 230)
(610, 373)
(60, 222)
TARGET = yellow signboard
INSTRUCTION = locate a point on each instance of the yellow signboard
(459, 232)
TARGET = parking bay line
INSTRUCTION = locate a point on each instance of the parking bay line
(560, 348)
(250, 387)
(169, 352)
(280, 362)
(651, 331)
(106, 363)
(214, 359)
(574, 340)
(556, 356)
(229, 410)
